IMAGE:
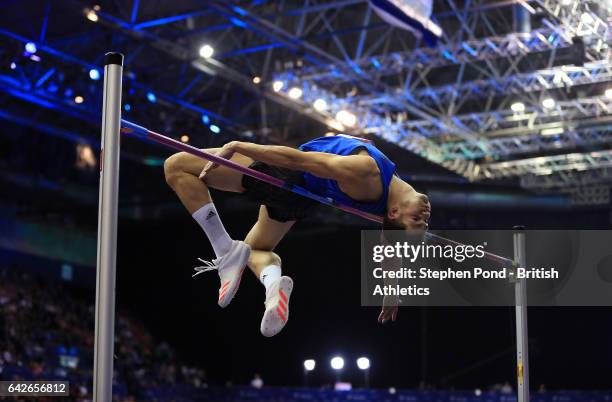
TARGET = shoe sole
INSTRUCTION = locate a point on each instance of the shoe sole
(275, 319)
(233, 288)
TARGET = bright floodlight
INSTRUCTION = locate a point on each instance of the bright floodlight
(518, 107)
(346, 118)
(92, 16)
(363, 363)
(94, 74)
(295, 93)
(548, 103)
(337, 363)
(608, 93)
(586, 18)
(277, 85)
(30, 47)
(206, 51)
(309, 364)
(320, 104)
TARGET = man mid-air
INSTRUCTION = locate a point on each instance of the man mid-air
(350, 170)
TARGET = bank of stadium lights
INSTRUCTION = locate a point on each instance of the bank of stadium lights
(518, 107)
(295, 93)
(346, 118)
(548, 103)
(206, 51)
(320, 104)
(277, 85)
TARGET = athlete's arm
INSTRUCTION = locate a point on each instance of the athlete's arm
(321, 164)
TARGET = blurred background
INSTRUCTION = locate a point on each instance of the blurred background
(505, 121)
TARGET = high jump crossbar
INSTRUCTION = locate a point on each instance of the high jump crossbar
(112, 125)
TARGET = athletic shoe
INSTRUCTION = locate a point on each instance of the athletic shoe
(230, 267)
(277, 306)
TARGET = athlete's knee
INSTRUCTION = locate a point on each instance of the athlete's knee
(173, 168)
(259, 258)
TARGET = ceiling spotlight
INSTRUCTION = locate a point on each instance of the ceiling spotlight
(277, 85)
(309, 364)
(151, 97)
(91, 15)
(363, 363)
(320, 104)
(346, 118)
(295, 93)
(548, 103)
(94, 74)
(256, 79)
(30, 47)
(215, 129)
(518, 107)
(13, 65)
(337, 363)
(608, 93)
(206, 51)
(184, 138)
(127, 107)
(586, 18)
(79, 99)
(205, 119)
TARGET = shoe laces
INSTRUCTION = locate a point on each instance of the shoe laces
(208, 266)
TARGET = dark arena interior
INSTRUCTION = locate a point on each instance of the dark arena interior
(499, 111)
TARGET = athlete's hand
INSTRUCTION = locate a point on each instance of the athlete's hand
(389, 309)
(226, 152)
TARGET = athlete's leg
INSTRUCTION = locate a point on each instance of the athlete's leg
(182, 171)
(266, 265)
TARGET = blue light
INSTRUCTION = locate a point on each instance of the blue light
(13, 65)
(215, 129)
(205, 119)
(30, 47)
(94, 74)
(151, 97)
(68, 93)
(127, 107)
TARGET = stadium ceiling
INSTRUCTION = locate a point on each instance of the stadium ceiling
(515, 88)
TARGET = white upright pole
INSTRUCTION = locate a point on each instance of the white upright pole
(520, 299)
(107, 229)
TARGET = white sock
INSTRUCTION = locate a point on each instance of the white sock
(208, 218)
(269, 275)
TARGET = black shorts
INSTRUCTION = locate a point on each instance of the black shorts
(282, 204)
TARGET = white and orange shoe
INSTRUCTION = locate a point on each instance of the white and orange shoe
(230, 267)
(277, 306)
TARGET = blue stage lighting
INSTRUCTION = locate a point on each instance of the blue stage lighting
(94, 74)
(151, 97)
(215, 129)
(127, 107)
(205, 119)
(30, 47)
(13, 65)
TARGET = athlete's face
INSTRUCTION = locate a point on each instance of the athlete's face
(414, 212)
